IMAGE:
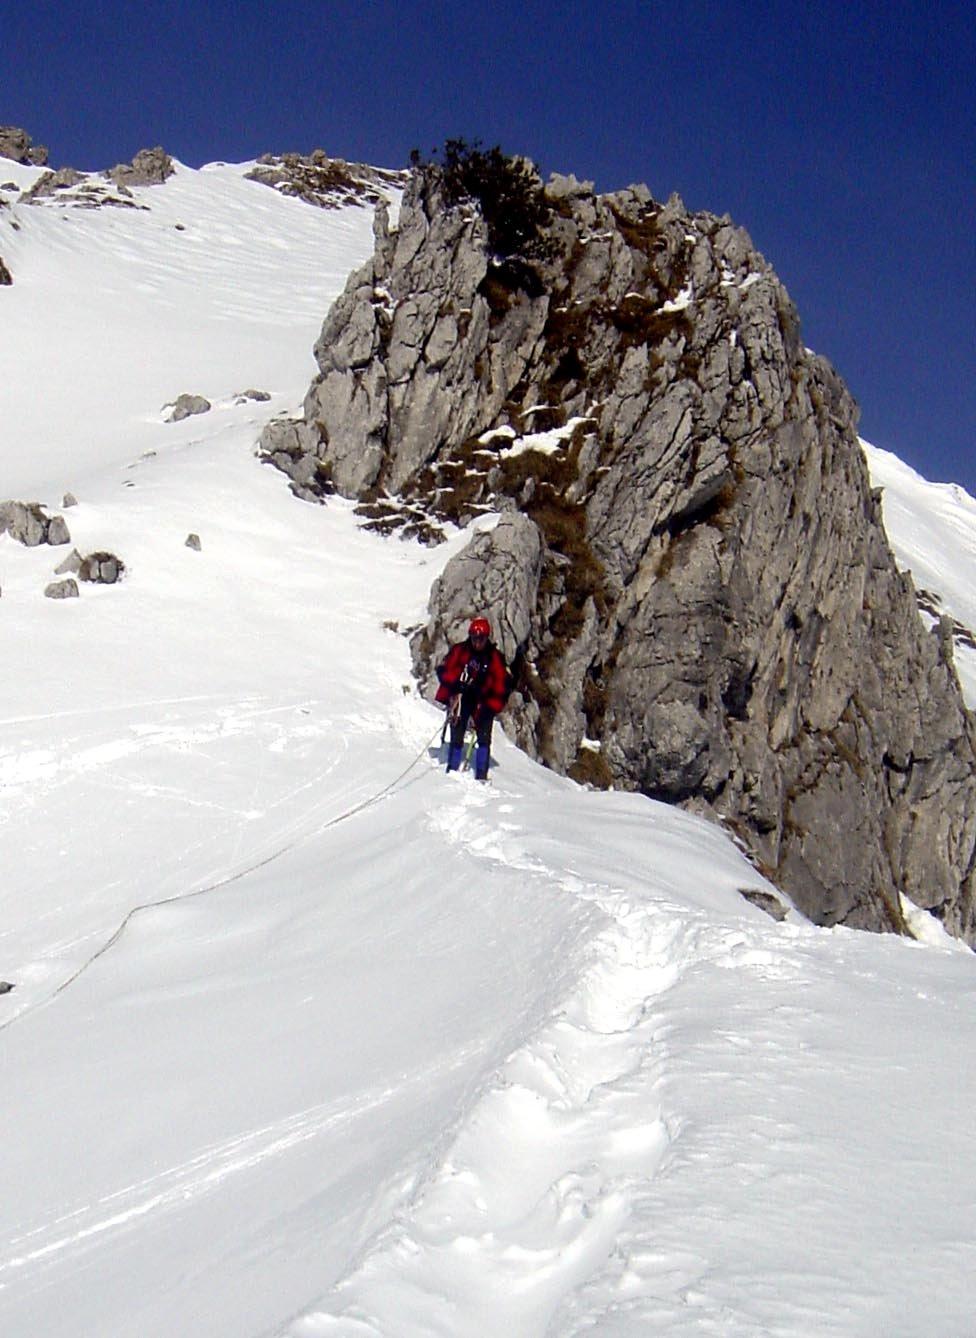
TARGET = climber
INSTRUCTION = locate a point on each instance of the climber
(474, 685)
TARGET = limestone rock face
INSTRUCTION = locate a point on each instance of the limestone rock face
(690, 568)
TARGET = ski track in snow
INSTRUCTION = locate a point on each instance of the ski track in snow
(496, 1245)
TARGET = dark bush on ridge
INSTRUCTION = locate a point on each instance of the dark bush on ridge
(508, 189)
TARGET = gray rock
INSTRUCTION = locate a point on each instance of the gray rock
(71, 564)
(69, 500)
(700, 594)
(6, 279)
(25, 522)
(5, 986)
(185, 406)
(260, 396)
(57, 532)
(499, 570)
(193, 541)
(66, 589)
(765, 901)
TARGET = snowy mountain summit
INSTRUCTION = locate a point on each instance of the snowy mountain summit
(304, 1037)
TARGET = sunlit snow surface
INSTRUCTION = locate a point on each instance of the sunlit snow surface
(470, 1061)
(932, 528)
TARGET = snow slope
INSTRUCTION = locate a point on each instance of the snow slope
(310, 1039)
(932, 528)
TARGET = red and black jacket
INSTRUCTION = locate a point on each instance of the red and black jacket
(480, 675)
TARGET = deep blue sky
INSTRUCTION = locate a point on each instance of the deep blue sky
(841, 135)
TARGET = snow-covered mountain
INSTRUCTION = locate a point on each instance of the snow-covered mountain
(308, 1038)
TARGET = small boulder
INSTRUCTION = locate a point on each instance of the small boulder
(261, 396)
(71, 564)
(57, 532)
(69, 500)
(6, 279)
(5, 986)
(193, 541)
(186, 406)
(66, 589)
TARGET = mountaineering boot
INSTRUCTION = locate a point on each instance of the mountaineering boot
(481, 762)
(453, 757)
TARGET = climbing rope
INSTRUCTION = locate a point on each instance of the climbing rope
(223, 882)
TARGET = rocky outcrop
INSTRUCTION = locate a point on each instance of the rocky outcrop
(327, 183)
(87, 190)
(150, 167)
(5, 276)
(17, 145)
(52, 184)
(690, 569)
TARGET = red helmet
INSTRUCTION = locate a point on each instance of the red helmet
(479, 627)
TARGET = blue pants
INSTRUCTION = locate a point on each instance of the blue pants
(484, 719)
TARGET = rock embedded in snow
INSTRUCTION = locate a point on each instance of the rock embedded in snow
(24, 522)
(57, 532)
(71, 564)
(52, 184)
(69, 500)
(259, 396)
(765, 901)
(101, 568)
(27, 523)
(185, 406)
(193, 541)
(6, 279)
(5, 987)
(66, 589)
(718, 604)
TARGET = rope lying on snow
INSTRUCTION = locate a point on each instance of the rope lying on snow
(223, 882)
